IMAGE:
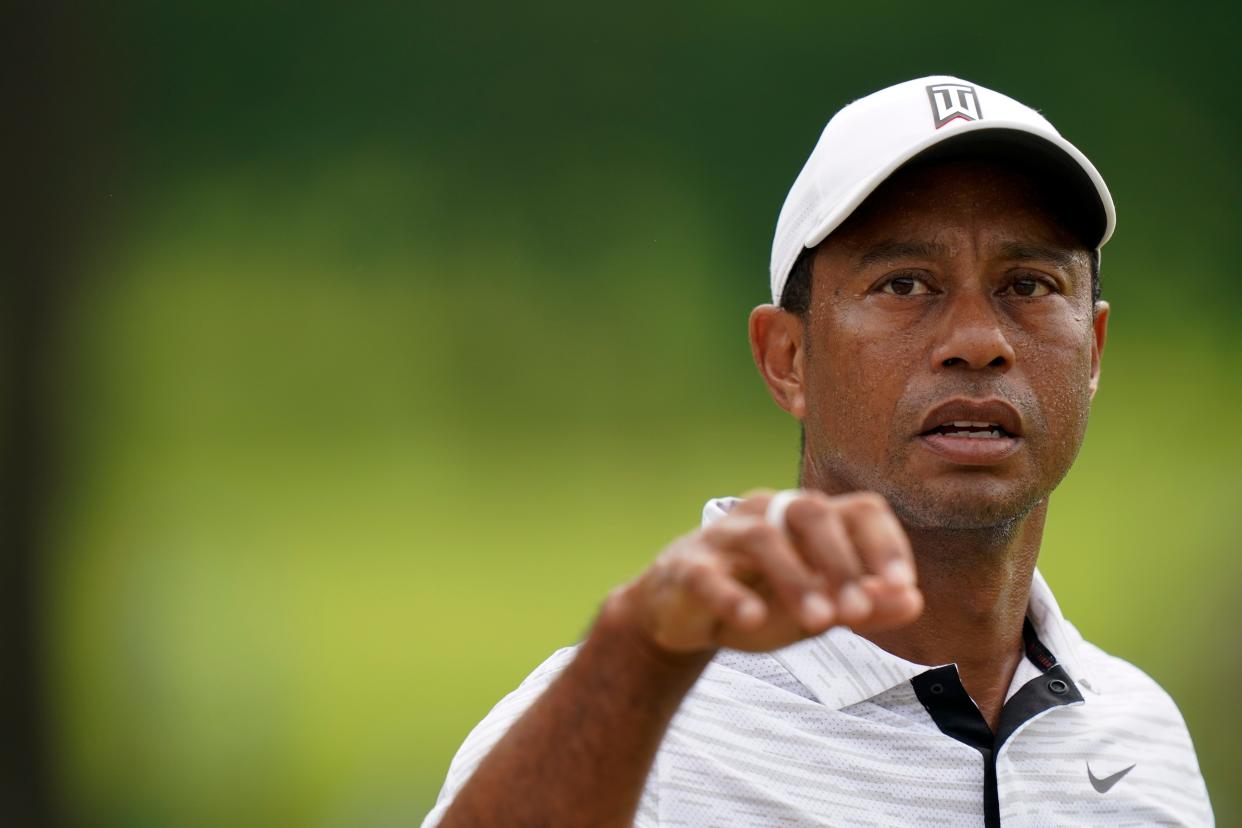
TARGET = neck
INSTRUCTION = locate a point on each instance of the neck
(976, 584)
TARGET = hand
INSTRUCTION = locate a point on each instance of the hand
(746, 584)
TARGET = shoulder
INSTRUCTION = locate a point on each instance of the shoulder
(1126, 689)
(550, 668)
(1126, 683)
(1107, 675)
(1128, 706)
(518, 700)
(484, 736)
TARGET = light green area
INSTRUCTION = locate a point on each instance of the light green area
(311, 547)
(414, 333)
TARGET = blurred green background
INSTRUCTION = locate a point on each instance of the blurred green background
(407, 330)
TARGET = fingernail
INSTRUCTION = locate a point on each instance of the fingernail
(899, 573)
(816, 609)
(854, 602)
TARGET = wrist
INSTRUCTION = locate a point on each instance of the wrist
(620, 620)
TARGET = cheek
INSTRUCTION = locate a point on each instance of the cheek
(1060, 371)
(857, 378)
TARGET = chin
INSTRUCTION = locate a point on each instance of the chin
(928, 509)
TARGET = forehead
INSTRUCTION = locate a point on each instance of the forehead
(982, 198)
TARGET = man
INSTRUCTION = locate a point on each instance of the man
(877, 646)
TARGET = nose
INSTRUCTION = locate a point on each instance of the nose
(971, 335)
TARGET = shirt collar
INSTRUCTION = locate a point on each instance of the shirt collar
(842, 668)
(1058, 634)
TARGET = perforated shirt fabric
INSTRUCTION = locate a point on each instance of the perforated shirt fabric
(834, 731)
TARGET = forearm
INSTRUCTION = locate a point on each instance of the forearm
(581, 754)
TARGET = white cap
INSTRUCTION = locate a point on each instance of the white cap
(870, 139)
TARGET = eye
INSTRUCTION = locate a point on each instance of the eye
(1030, 287)
(905, 284)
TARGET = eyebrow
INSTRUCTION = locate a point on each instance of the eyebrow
(1025, 251)
(892, 250)
(1022, 251)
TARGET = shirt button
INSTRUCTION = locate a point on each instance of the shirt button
(1057, 686)
(937, 688)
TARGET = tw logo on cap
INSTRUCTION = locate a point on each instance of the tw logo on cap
(953, 100)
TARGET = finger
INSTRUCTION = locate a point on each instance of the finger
(754, 502)
(820, 534)
(763, 547)
(892, 606)
(778, 503)
(879, 538)
(726, 599)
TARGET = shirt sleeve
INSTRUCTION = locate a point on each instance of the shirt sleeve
(496, 723)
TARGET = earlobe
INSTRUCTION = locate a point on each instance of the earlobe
(776, 343)
(1099, 325)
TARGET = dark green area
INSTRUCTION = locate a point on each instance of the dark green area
(412, 329)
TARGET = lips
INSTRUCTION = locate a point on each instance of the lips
(962, 414)
(972, 432)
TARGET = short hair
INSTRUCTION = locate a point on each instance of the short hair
(796, 297)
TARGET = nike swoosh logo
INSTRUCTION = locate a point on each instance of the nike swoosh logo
(1102, 785)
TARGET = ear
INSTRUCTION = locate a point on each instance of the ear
(776, 342)
(1099, 322)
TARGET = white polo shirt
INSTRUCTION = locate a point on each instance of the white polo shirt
(835, 731)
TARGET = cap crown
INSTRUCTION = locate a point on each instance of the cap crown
(869, 139)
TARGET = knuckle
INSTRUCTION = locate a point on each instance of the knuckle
(697, 574)
(724, 532)
(836, 550)
(848, 564)
(758, 532)
(814, 506)
(817, 497)
(676, 552)
(869, 502)
(835, 524)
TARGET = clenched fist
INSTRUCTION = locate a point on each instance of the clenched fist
(749, 584)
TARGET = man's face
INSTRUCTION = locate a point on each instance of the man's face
(953, 282)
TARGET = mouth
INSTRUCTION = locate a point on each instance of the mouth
(972, 432)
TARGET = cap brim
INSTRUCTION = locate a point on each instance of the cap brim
(1077, 195)
(1086, 204)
